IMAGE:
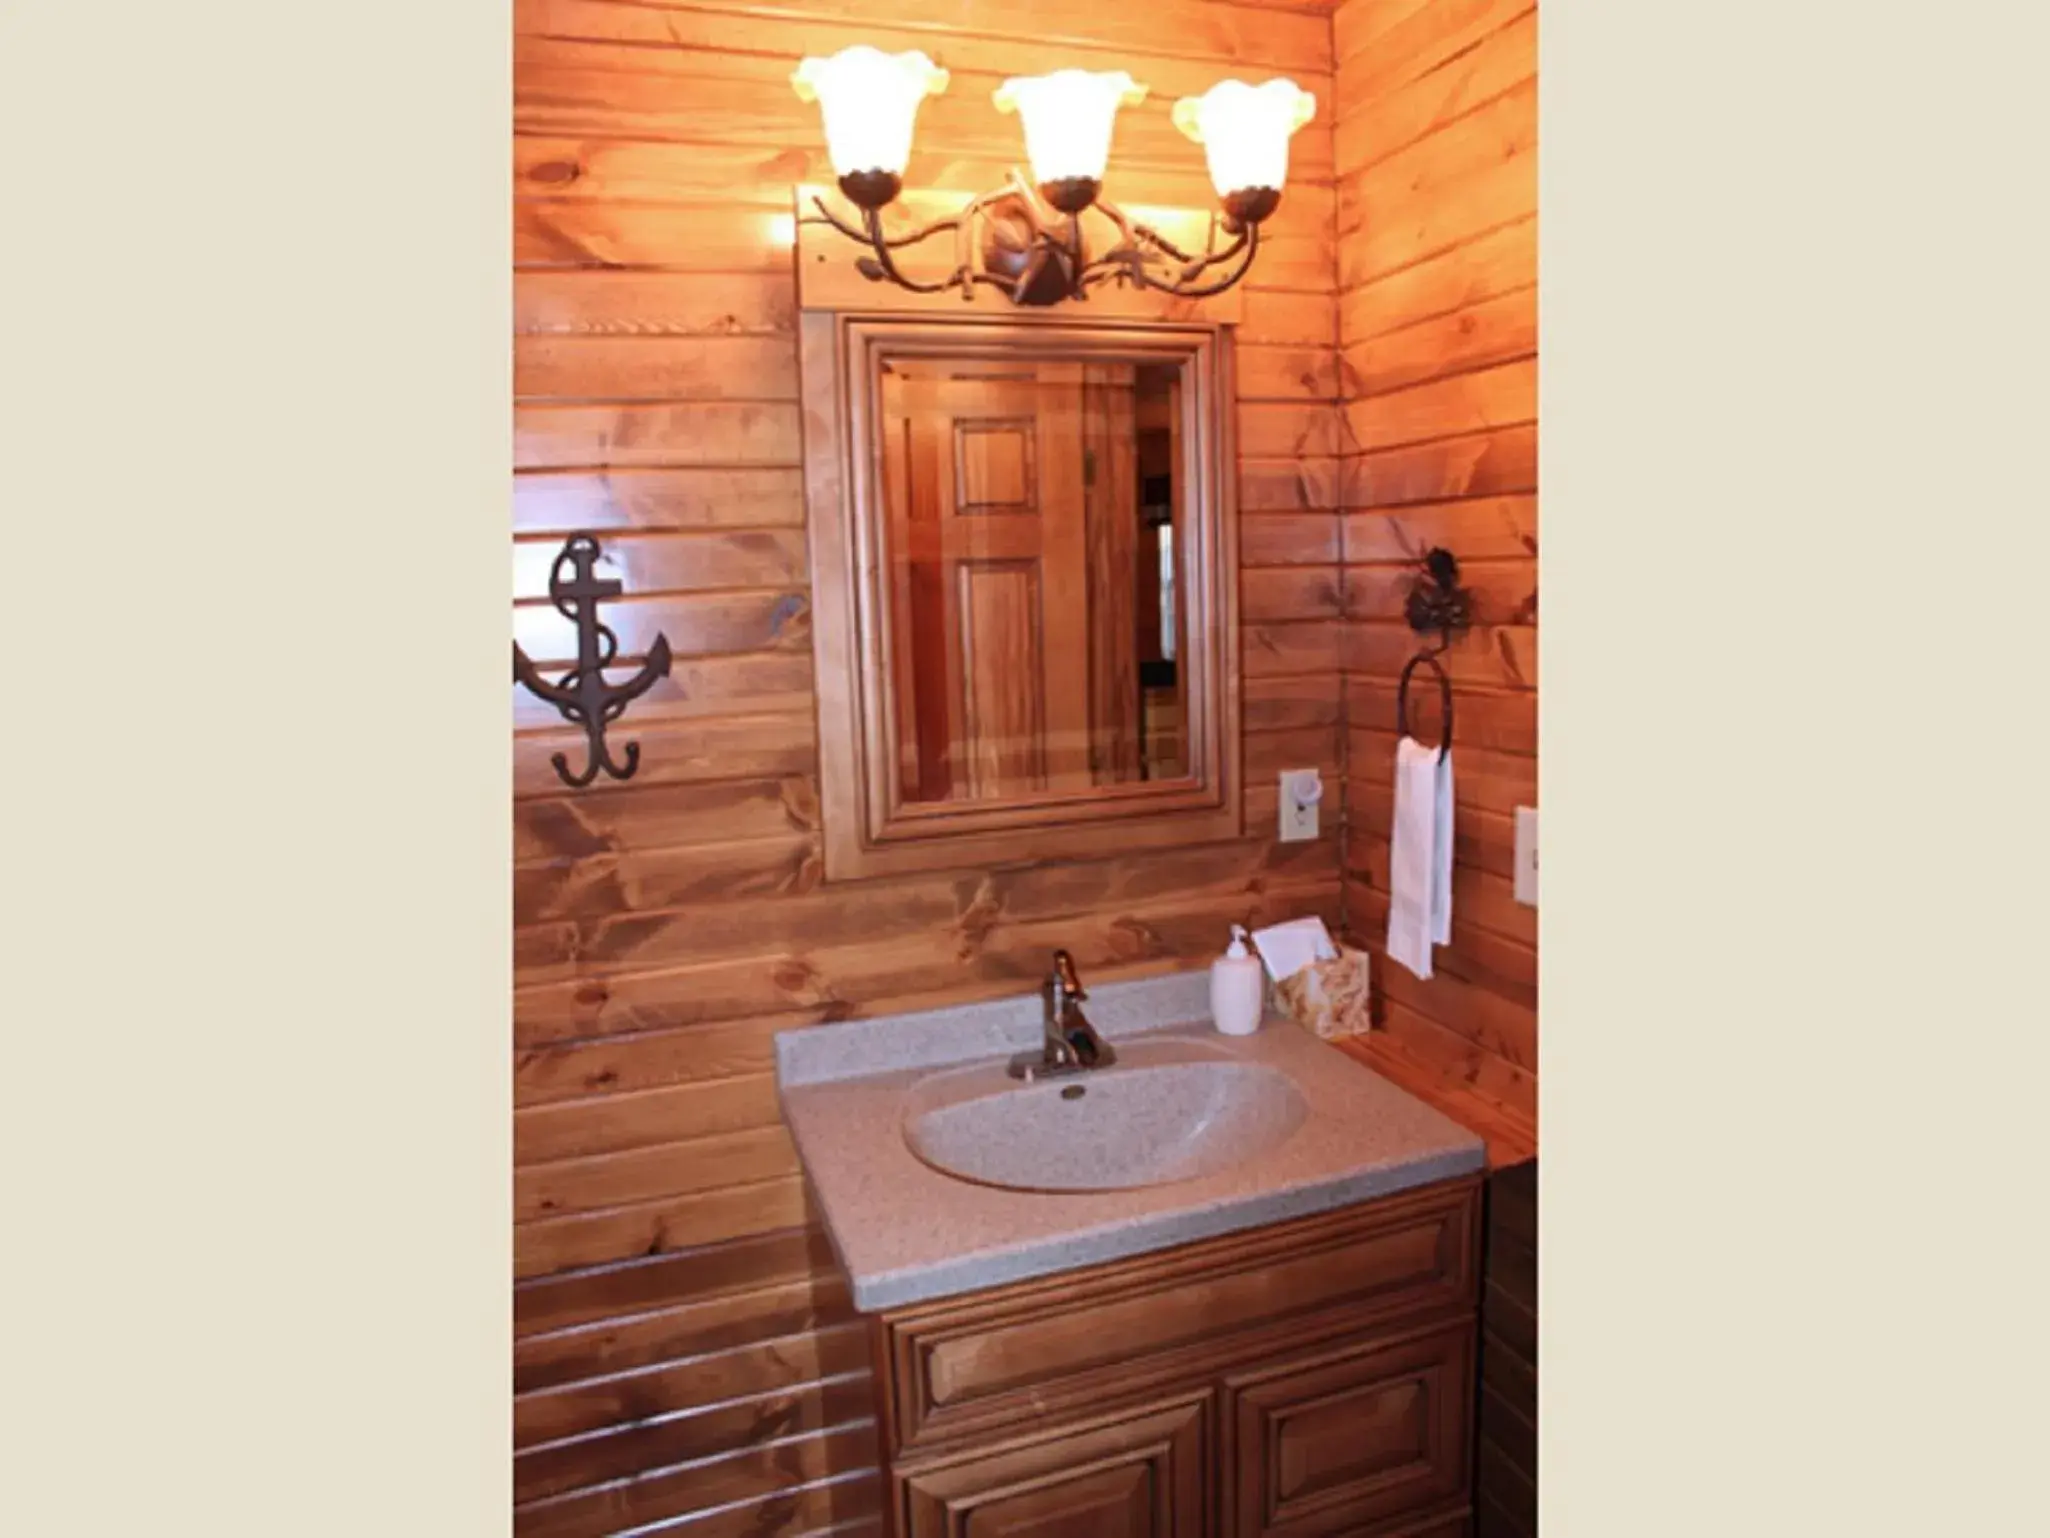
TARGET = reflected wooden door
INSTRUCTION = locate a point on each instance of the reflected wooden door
(987, 484)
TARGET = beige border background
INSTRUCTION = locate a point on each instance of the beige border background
(1793, 1066)
(255, 261)
(256, 374)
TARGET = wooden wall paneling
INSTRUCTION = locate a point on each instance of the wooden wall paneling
(1384, 121)
(640, 1119)
(1503, 591)
(1499, 261)
(1269, 539)
(589, 1301)
(600, 303)
(1483, 907)
(1498, 783)
(689, 1363)
(1488, 527)
(1433, 1075)
(1478, 464)
(677, 563)
(765, 1480)
(1450, 405)
(547, 505)
(1498, 656)
(1491, 330)
(1377, 44)
(567, 1362)
(1277, 37)
(1503, 720)
(1435, 153)
(1432, 176)
(859, 954)
(626, 435)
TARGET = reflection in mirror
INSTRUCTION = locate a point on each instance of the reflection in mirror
(1032, 587)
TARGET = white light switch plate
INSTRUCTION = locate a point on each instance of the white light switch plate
(1526, 856)
(1301, 790)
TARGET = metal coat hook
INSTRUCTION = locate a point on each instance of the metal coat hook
(583, 696)
(1436, 602)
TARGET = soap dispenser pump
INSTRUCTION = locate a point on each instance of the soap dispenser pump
(1237, 988)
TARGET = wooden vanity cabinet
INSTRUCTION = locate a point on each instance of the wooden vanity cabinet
(1310, 1378)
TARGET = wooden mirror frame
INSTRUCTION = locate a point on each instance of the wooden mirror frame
(868, 833)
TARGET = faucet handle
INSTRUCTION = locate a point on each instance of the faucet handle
(1064, 976)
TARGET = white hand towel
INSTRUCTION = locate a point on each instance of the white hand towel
(1420, 856)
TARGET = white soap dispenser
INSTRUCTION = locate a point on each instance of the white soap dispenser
(1238, 988)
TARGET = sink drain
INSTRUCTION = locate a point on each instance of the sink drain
(1073, 1092)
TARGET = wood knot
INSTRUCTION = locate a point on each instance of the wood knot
(555, 173)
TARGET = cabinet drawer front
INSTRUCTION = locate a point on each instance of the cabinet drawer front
(1351, 1440)
(1145, 1326)
(1138, 1475)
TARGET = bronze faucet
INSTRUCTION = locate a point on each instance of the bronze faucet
(1071, 1044)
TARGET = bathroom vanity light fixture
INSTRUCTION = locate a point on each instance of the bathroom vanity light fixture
(1027, 239)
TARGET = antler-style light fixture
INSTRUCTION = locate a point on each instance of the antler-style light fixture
(1027, 239)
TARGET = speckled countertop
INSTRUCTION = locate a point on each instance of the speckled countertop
(905, 1232)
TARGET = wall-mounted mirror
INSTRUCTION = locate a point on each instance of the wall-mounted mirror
(1022, 561)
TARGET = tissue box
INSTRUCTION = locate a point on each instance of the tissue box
(1321, 984)
(1329, 998)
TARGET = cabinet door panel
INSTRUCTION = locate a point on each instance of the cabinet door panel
(963, 1368)
(1350, 1440)
(1142, 1475)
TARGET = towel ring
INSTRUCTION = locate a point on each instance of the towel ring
(1444, 698)
(1436, 602)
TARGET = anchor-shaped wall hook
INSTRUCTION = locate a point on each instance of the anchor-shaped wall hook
(583, 696)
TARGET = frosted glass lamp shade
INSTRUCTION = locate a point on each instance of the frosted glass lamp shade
(869, 100)
(1244, 131)
(1068, 118)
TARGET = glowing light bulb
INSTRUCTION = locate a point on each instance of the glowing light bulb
(1068, 118)
(869, 100)
(1244, 131)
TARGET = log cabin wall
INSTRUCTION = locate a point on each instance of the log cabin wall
(1436, 154)
(685, 1355)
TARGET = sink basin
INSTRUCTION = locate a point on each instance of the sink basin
(1166, 1111)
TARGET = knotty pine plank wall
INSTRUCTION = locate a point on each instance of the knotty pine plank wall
(1436, 146)
(685, 1354)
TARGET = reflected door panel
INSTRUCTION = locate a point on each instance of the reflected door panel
(1031, 632)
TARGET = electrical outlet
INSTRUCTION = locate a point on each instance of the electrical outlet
(1301, 790)
(1526, 856)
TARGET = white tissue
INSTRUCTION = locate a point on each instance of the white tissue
(1289, 947)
